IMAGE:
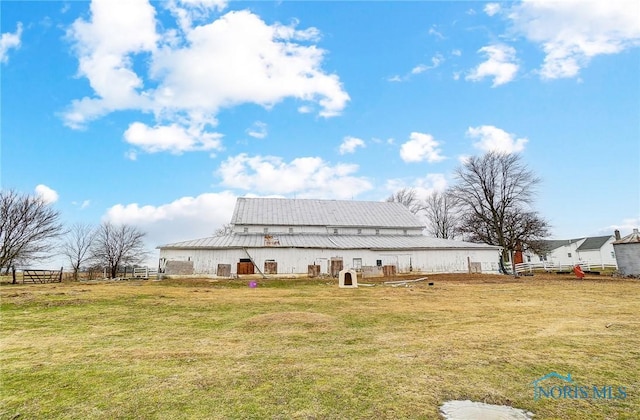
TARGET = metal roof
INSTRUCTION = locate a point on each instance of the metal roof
(594, 242)
(632, 238)
(334, 213)
(391, 242)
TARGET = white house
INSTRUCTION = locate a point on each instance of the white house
(274, 236)
(595, 250)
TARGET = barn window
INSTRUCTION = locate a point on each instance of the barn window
(290, 230)
(379, 263)
(404, 231)
(246, 230)
(359, 231)
(266, 230)
(377, 231)
(569, 254)
(335, 231)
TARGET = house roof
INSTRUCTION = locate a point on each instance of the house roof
(333, 213)
(595, 242)
(589, 243)
(552, 244)
(377, 242)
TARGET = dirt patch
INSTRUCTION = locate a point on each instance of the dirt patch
(291, 320)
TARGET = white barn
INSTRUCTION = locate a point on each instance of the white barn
(274, 236)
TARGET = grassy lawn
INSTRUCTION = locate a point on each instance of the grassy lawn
(303, 349)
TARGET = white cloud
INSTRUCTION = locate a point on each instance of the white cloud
(572, 32)
(131, 155)
(48, 195)
(492, 8)
(188, 11)
(436, 60)
(183, 219)
(456, 53)
(423, 187)
(421, 147)
(268, 66)
(305, 177)
(10, 41)
(105, 46)
(500, 65)
(172, 138)
(433, 31)
(257, 130)
(625, 227)
(83, 205)
(349, 145)
(494, 139)
(185, 78)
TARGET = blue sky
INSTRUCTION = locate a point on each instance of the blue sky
(160, 114)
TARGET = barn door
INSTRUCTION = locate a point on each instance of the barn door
(335, 266)
(245, 266)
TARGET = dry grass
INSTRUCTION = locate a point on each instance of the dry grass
(307, 349)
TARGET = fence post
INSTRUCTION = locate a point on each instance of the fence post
(13, 273)
(61, 268)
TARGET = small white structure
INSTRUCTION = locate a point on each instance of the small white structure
(628, 253)
(348, 279)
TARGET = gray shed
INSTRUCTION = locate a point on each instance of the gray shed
(627, 252)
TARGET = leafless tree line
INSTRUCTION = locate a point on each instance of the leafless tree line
(31, 230)
(490, 202)
(439, 210)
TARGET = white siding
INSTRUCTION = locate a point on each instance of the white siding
(296, 261)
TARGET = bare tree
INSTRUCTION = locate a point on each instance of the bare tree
(117, 246)
(224, 230)
(28, 228)
(77, 246)
(495, 192)
(407, 197)
(441, 212)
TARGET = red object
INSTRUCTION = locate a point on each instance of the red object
(577, 270)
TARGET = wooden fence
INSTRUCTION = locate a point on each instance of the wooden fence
(30, 275)
(529, 267)
(144, 272)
